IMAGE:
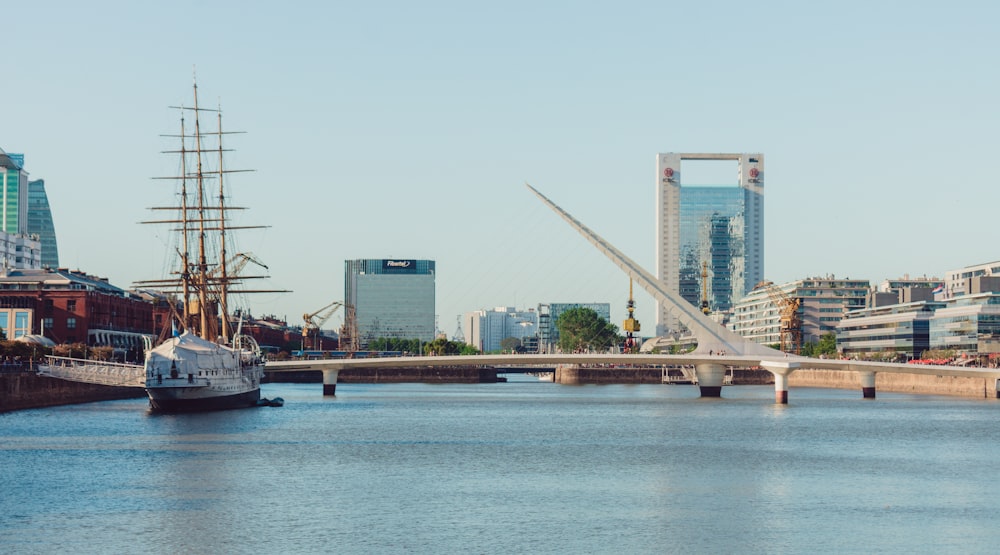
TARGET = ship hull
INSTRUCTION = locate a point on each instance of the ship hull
(181, 400)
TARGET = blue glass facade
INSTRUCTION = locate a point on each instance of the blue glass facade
(713, 238)
(40, 223)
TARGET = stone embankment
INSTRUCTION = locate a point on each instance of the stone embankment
(458, 374)
(897, 383)
(27, 390)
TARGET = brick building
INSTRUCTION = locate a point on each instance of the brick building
(74, 307)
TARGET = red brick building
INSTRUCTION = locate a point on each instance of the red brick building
(74, 307)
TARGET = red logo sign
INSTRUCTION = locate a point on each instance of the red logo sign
(754, 172)
(668, 172)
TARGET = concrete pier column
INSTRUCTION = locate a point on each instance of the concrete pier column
(867, 384)
(567, 374)
(781, 389)
(781, 371)
(330, 382)
(710, 378)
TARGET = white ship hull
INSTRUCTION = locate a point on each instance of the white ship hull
(188, 373)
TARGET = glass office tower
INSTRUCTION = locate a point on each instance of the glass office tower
(40, 223)
(717, 232)
(391, 298)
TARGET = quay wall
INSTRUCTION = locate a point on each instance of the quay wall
(27, 390)
(572, 374)
(458, 374)
(897, 383)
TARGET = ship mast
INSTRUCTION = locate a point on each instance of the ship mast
(202, 274)
(185, 252)
(224, 283)
(206, 278)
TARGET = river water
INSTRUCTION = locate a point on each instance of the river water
(517, 467)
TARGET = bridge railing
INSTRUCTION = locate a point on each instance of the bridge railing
(94, 371)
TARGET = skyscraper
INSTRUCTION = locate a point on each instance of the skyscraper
(40, 223)
(18, 249)
(13, 193)
(391, 298)
(710, 240)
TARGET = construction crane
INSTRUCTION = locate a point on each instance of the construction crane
(349, 340)
(313, 323)
(704, 288)
(790, 322)
(631, 325)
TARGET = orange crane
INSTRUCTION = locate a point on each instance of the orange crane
(313, 322)
(790, 322)
(631, 325)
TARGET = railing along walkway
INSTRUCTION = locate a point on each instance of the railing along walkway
(94, 371)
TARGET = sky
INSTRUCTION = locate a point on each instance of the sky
(391, 129)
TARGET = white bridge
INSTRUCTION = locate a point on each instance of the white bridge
(718, 349)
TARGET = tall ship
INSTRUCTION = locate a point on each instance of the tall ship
(202, 361)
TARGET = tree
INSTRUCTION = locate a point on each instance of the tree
(441, 346)
(582, 329)
(510, 344)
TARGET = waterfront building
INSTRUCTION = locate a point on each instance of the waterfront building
(391, 298)
(904, 290)
(964, 319)
(969, 324)
(488, 328)
(957, 281)
(74, 307)
(20, 251)
(823, 302)
(711, 231)
(900, 328)
(548, 314)
(40, 223)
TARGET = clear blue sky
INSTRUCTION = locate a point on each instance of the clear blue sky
(407, 129)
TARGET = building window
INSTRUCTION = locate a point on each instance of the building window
(21, 324)
(71, 306)
(71, 323)
(46, 324)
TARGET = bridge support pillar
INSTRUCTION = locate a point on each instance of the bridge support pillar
(330, 382)
(997, 381)
(781, 371)
(710, 378)
(867, 384)
(781, 389)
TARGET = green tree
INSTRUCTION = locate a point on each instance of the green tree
(510, 344)
(441, 346)
(394, 344)
(827, 345)
(582, 329)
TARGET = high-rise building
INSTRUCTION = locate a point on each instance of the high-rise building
(18, 249)
(40, 223)
(711, 231)
(13, 193)
(392, 298)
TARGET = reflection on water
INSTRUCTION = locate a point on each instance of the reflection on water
(523, 466)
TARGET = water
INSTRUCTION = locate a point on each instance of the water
(517, 467)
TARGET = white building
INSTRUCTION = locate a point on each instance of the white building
(486, 329)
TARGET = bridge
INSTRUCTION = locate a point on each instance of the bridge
(718, 348)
